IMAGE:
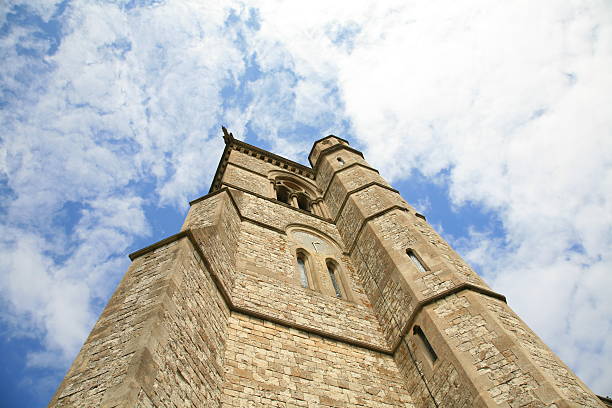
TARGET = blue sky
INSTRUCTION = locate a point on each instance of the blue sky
(492, 118)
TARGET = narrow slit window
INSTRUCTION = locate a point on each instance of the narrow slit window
(429, 351)
(302, 270)
(340, 161)
(331, 269)
(416, 261)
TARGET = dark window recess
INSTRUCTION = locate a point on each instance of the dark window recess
(303, 202)
(282, 194)
(431, 354)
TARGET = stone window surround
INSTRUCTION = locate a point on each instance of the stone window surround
(391, 350)
(333, 269)
(308, 268)
(304, 189)
(317, 274)
(425, 346)
(417, 260)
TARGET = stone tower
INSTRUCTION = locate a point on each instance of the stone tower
(295, 286)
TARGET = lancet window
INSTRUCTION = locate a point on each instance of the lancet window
(317, 264)
(303, 201)
(333, 276)
(416, 261)
(303, 274)
(429, 351)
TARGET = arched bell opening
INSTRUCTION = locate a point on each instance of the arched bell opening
(303, 202)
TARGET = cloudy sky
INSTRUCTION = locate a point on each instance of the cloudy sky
(493, 118)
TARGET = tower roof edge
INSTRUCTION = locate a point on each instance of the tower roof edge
(228, 137)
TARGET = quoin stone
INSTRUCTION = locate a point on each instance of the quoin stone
(320, 286)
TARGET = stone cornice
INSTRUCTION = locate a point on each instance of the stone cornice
(358, 189)
(286, 323)
(437, 297)
(234, 144)
(320, 140)
(221, 166)
(330, 149)
(356, 164)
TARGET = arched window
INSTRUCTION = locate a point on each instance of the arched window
(416, 261)
(332, 269)
(340, 161)
(282, 194)
(294, 193)
(301, 261)
(429, 351)
(303, 202)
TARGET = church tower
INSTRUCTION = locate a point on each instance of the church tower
(296, 286)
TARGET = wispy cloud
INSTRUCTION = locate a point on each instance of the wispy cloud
(509, 102)
(110, 110)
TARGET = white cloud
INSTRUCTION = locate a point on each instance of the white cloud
(512, 99)
(131, 98)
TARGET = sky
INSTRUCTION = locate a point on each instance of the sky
(492, 118)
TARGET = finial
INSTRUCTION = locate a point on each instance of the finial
(227, 136)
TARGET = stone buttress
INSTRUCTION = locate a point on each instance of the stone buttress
(318, 286)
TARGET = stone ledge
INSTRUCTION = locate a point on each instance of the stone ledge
(156, 245)
(246, 311)
(333, 149)
(358, 189)
(321, 139)
(275, 201)
(228, 188)
(370, 218)
(346, 168)
(249, 312)
(607, 401)
(452, 291)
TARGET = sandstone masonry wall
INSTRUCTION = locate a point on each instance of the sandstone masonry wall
(239, 177)
(217, 316)
(215, 224)
(279, 216)
(160, 341)
(269, 365)
(187, 359)
(112, 348)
